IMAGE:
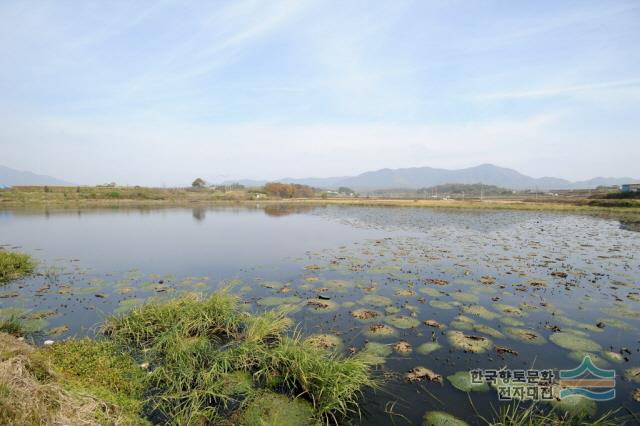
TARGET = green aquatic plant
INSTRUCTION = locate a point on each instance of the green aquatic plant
(197, 349)
(574, 342)
(440, 418)
(14, 265)
(427, 348)
(13, 326)
(462, 381)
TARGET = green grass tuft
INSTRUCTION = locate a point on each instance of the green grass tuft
(14, 266)
(201, 351)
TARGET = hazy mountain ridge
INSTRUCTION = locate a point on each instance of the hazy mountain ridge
(421, 177)
(12, 177)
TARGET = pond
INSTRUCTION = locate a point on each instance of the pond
(436, 288)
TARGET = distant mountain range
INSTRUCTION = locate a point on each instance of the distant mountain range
(422, 177)
(12, 177)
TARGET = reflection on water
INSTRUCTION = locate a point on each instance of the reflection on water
(512, 278)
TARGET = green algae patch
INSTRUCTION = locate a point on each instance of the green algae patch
(574, 343)
(270, 408)
(468, 342)
(375, 300)
(14, 266)
(462, 381)
(525, 335)
(427, 348)
(441, 418)
(402, 321)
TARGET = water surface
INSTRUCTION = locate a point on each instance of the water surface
(497, 275)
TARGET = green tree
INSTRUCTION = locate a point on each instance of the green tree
(199, 183)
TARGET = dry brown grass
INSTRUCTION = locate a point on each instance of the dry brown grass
(30, 394)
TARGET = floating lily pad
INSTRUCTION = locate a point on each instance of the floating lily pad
(632, 374)
(275, 301)
(462, 381)
(616, 323)
(485, 329)
(619, 310)
(465, 297)
(573, 342)
(402, 347)
(427, 348)
(440, 418)
(462, 323)
(402, 321)
(577, 324)
(508, 309)
(469, 342)
(365, 315)
(576, 405)
(430, 291)
(340, 286)
(269, 408)
(375, 353)
(405, 293)
(375, 300)
(525, 335)
(613, 357)
(480, 311)
(599, 361)
(439, 304)
(325, 341)
(391, 310)
(380, 331)
(511, 322)
(321, 306)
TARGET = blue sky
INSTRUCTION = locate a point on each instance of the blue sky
(160, 92)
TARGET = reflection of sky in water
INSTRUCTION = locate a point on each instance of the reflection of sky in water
(387, 249)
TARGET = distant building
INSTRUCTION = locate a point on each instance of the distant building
(631, 187)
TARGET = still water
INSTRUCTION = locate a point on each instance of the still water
(548, 287)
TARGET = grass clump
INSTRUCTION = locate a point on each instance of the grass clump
(13, 326)
(14, 266)
(209, 361)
